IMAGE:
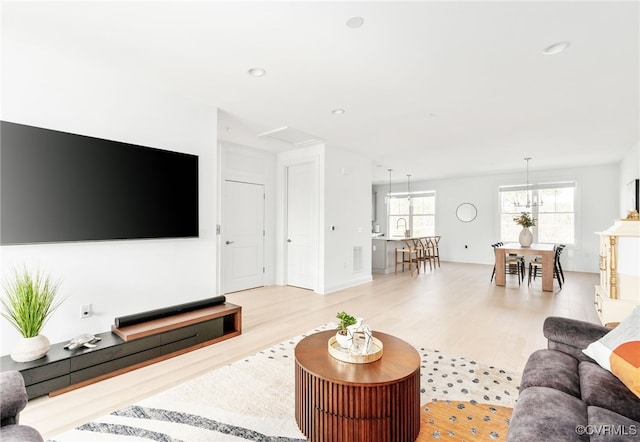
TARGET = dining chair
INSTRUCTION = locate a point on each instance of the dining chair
(514, 264)
(535, 268)
(560, 248)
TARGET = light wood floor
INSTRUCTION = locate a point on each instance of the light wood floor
(454, 309)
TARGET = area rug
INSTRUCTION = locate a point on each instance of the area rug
(461, 420)
(253, 399)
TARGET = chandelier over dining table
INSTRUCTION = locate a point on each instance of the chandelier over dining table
(532, 198)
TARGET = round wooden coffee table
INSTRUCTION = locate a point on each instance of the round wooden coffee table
(342, 401)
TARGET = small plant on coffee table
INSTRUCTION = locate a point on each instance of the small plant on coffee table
(345, 321)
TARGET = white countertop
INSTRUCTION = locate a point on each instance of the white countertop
(394, 238)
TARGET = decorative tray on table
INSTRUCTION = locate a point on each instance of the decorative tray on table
(343, 354)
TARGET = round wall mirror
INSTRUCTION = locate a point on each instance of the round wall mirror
(466, 212)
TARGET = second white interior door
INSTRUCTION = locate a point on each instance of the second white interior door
(243, 236)
(302, 232)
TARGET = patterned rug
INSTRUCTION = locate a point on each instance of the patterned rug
(460, 421)
(252, 399)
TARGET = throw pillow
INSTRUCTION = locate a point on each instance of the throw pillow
(619, 351)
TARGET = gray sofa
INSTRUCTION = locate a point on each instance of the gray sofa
(566, 396)
(13, 399)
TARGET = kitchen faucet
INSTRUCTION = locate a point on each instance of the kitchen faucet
(406, 232)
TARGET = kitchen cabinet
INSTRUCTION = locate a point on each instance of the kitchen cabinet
(383, 254)
(378, 258)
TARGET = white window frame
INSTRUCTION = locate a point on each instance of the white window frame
(534, 210)
(393, 231)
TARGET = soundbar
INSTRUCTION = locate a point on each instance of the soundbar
(150, 315)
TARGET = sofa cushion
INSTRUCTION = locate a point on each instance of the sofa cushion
(553, 369)
(606, 425)
(13, 398)
(600, 388)
(619, 351)
(571, 336)
(543, 413)
(19, 433)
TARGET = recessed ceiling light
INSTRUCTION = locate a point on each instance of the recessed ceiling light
(257, 72)
(556, 48)
(355, 22)
(337, 111)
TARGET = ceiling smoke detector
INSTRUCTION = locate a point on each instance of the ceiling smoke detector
(257, 72)
(355, 22)
(556, 48)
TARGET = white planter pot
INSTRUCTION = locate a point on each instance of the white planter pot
(525, 237)
(346, 340)
(343, 340)
(30, 349)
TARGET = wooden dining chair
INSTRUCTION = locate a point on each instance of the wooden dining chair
(560, 248)
(513, 264)
(535, 268)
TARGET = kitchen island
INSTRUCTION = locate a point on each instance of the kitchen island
(383, 252)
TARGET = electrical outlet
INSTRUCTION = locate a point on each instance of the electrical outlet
(85, 311)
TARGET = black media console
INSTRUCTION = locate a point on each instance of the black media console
(127, 348)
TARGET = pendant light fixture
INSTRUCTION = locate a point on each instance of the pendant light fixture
(387, 198)
(532, 200)
(409, 190)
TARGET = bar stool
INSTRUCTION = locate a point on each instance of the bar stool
(434, 242)
(426, 253)
(408, 255)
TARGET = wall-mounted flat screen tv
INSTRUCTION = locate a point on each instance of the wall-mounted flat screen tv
(58, 187)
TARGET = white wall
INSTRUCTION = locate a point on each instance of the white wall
(343, 191)
(347, 207)
(116, 277)
(597, 206)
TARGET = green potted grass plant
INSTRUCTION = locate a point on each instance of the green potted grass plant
(342, 335)
(29, 302)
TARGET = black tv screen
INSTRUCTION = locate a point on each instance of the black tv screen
(58, 187)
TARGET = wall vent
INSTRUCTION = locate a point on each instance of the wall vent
(357, 259)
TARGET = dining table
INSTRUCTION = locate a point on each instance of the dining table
(546, 251)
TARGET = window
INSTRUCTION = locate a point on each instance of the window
(555, 218)
(418, 218)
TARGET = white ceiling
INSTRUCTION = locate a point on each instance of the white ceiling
(434, 89)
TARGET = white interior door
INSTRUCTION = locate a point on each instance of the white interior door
(243, 236)
(302, 244)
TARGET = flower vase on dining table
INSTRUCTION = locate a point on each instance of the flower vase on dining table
(526, 237)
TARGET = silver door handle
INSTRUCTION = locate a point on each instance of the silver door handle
(289, 240)
(228, 242)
